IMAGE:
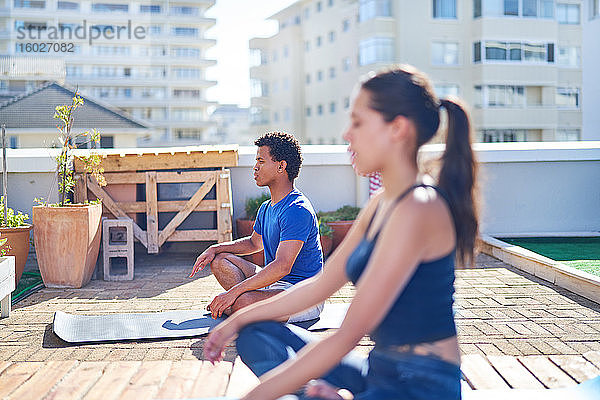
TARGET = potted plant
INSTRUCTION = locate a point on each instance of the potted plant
(244, 226)
(326, 237)
(340, 221)
(15, 232)
(66, 235)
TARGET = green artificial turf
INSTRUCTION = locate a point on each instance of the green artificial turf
(582, 253)
(28, 282)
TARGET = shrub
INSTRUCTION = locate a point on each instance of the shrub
(253, 204)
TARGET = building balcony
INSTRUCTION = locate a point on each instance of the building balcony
(542, 117)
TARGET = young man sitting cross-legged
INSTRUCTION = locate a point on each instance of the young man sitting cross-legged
(286, 228)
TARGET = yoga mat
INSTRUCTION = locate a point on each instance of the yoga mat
(169, 324)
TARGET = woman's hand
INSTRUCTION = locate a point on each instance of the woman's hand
(218, 338)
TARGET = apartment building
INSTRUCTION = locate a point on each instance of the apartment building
(591, 62)
(146, 57)
(516, 62)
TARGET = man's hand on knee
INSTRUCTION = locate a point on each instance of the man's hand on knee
(222, 302)
(203, 260)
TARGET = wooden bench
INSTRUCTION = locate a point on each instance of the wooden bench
(7, 283)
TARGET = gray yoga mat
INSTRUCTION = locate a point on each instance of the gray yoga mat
(169, 324)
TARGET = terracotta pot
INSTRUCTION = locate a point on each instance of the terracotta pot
(67, 240)
(18, 246)
(340, 229)
(244, 228)
(326, 245)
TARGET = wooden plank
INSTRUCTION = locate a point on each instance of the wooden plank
(166, 160)
(212, 380)
(111, 206)
(4, 365)
(241, 381)
(480, 374)
(147, 380)
(183, 214)
(43, 380)
(15, 374)
(166, 206)
(114, 380)
(593, 357)
(161, 177)
(152, 213)
(546, 372)
(181, 379)
(513, 372)
(576, 367)
(78, 383)
(194, 236)
(225, 207)
(80, 193)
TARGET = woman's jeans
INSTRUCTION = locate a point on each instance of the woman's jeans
(383, 376)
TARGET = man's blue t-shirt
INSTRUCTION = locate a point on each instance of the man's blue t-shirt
(291, 218)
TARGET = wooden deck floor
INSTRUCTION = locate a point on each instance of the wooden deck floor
(138, 380)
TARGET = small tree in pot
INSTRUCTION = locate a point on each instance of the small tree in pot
(66, 235)
(15, 232)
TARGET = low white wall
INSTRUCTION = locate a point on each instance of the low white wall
(526, 188)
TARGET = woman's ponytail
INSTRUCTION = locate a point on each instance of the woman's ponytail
(457, 179)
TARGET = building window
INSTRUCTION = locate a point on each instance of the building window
(444, 9)
(274, 56)
(330, 3)
(446, 90)
(567, 134)
(306, 45)
(569, 56)
(369, 9)
(286, 51)
(595, 9)
(332, 107)
(567, 13)
(308, 79)
(332, 72)
(184, 31)
(275, 116)
(319, 41)
(107, 7)
(504, 135)
(346, 25)
(319, 75)
(513, 51)
(29, 4)
(513, 8)
(182, 10)
(308, 111)
(150, 8)
(67, 5)
(306, 13)
(287, 114)
(319, 6)
(331, 36)
(500, 96)
(320, 109)
(107, 142)
(13, 142)
(444, 53)
(567, 97)
(346, 64)
(376, 50)
(346, 103)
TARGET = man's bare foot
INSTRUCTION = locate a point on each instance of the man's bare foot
(323, 390)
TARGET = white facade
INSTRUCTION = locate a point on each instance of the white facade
(591, 64)
(516, 62)
(146, 58)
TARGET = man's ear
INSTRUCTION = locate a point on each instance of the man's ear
(282, 165)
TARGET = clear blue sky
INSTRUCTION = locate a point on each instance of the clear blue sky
(237, 22)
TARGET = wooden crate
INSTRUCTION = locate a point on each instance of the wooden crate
(146, 166)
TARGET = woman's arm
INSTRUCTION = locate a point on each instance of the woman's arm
(398, 251)
(302, 296)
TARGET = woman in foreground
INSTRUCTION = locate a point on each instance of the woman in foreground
(400, 254)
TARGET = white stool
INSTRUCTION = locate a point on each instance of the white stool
(7, 283)
(117, 242)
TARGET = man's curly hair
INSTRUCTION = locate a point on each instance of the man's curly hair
(283, 146)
